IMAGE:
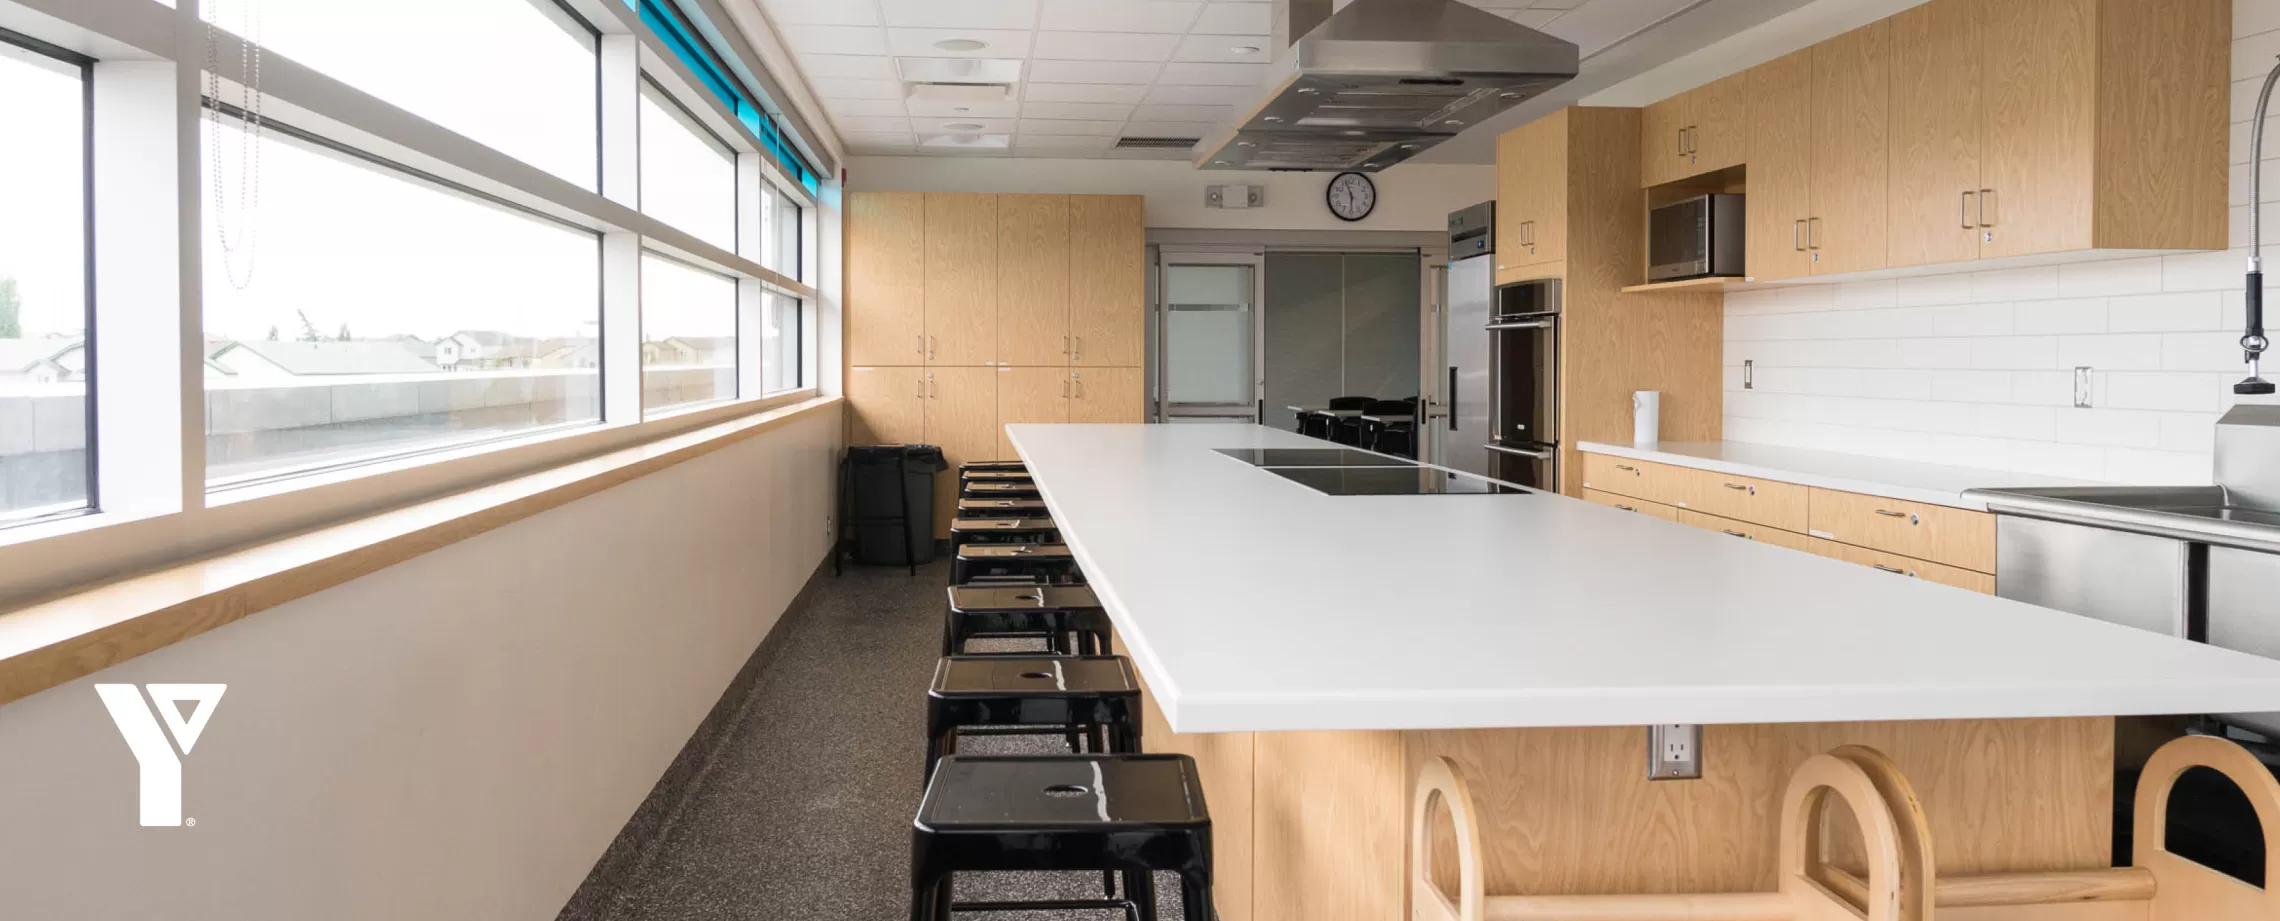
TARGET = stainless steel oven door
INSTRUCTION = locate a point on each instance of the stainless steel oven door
(1536, 466)
(1523, 396)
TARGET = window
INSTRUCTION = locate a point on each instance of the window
(780, 233)
(45, 462)
(688, 334)
(781, 345)
(518, 75)
(360, 312)
(688, 176)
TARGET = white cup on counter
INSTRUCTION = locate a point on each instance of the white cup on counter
(1646, 417)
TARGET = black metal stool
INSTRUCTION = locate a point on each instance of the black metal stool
(967, 531)
(1093, 697)
(1001, 508)
(1131, 814)
(990, 489)
(1044, 564)
(995, 476)
(992, 465)
(1068, 617)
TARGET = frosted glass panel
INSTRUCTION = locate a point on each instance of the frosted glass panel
(1207, 334)
(1207, 284)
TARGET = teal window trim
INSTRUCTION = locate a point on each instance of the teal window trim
(667, 21)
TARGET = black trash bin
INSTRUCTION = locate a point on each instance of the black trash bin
(887, 503)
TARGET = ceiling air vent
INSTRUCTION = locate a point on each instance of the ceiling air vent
(1149, 143)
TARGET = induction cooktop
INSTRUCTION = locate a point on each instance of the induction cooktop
(1313, 457)
(1389, 481)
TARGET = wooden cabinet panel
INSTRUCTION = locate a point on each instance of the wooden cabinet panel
(1745, 530)
(2039, 91)
(1107, 395)
(1029, 395)
(1531, 204)
(1662, 141)
(1852, 94)
(1721, 130)
(1107, 280)
(1911, 567)
(1935, 134)
(1766, 502)
(1781, 166)
(1637, 479)
(2163, 133)
(1954, 536)
(1512, 191)
(886, 278)
(961, 418)
(1032, 279)
(1628, 504)
(961, 278)
(886, 405)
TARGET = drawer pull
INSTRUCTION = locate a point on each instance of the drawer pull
(1626, 467)
(1896, 572)
(1743, 487)
(1626, 508)
(1888, 513)
(1732, 533)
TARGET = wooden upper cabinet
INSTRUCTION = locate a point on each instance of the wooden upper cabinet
(1780, 198)
(961, 278)
(1107, 280)
(886, 278)
(1511, 192)
(1531, 202)
(1107, 395)
(1033, 279)
(1935, 129)
(2041, 97)
(1662, 141)
(1720, 131)
(1852, 92)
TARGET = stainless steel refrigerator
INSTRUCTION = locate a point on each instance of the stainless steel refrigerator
(1501, 412)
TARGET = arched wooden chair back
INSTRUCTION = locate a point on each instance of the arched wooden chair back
(2187, 891)
(1897, 890)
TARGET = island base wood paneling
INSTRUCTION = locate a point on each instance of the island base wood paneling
(1224, 762)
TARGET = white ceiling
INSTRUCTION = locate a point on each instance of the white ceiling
(1092, 70)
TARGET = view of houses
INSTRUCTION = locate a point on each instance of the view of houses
(62, 359)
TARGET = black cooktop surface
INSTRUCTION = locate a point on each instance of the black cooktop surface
(1313, 457)
(1388, 481)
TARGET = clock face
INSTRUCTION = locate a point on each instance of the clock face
(1351, 196)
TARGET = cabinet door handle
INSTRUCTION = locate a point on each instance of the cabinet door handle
(1682, 142)
(1079, 354)
(1080, 391)
(1985, 196)
(1963, 209)
(1911, 516)
(1623, 467)
(1813, 233)
(921, 344)
(930, 344)
(1626, 508)
(1064, 389)
(922, 389)
(930, 385)
(1896, 572)
(1797, 235)
(1742, 487)
(1065, 343)
(1733, 533)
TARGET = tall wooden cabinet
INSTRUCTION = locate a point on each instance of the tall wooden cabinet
(967, 312)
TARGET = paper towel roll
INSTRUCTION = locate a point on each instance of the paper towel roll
(1646, 417)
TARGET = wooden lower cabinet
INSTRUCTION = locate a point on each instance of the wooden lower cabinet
(1628, 504)
(1767, 502)
(1744, 530)
(1659, 483)
(1906, 566)
(1029, 395)
(961, 418)
(1954, 536)
(886, 405)
(1107, 395)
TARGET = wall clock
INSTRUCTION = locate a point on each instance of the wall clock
(1351, 196)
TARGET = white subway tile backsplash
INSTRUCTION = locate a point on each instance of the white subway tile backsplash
(1975, 368)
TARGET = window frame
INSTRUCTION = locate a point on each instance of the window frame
(91, 462)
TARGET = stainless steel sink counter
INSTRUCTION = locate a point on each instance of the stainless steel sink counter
(2212, 515)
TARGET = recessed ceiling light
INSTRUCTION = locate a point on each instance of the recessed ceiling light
(1246, 143)
(1306, 91)
(1351, 133)
(963, 126)
(1271, 118)
(961, 44)
(1245, 49)
(1454, 121)
(1219, 162)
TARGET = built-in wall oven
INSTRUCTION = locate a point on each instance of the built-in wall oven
(1523, 401)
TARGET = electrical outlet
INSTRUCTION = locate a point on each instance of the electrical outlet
(1674, 751)
(2082, 386)
(1749, 374)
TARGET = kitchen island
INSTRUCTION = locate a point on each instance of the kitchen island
(1312, 650)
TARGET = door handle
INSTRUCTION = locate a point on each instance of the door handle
(930, 386)
(1626, 508)
(1452, 399)
(1896, 572)
(1079, 353)
(1985, 196)
(1065, 339)
(930, 343)
(1742, 487)
(1733, 533)
(1522, 452)
(1682, 142)
(1797, 235)
(1633, 470)
(1064, 389)
(1963, 209)
(921, 349)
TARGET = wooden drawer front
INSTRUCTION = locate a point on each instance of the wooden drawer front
(1628, 504)
(1927, 532)
(1637, 479)
(1745, 530)
(1907, 566)
(1766, 502)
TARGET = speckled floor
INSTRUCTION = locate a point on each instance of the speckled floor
(800, 806)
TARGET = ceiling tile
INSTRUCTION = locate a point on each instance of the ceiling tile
(865, 106)
(1000, 43)
(1185, 74)
(1078, 110)
(944, 125)
(1236, 19)
(1147, 154)
(821, 13)
(871, 124)
(861, 66)
(877, 143)
(1202, 95)
(1172, 16)
(1162, 113)
(1037, 126)
(1063, 142)
(1168, 129)
(1595, 26)
(1225, 48)
(1105, 46)
(1084, 92)
(1092, 72)
(836, 39)
(845, 88)
(932, 108)
(960, 14)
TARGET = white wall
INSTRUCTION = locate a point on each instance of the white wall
(1975, 369)
(1412, 196)
(459, 736)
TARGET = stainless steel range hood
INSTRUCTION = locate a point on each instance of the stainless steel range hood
(1380, 81)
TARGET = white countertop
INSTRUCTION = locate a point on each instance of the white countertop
(1250, 602)
(1936, 484)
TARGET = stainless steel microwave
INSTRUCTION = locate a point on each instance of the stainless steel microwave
(1700, 237)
